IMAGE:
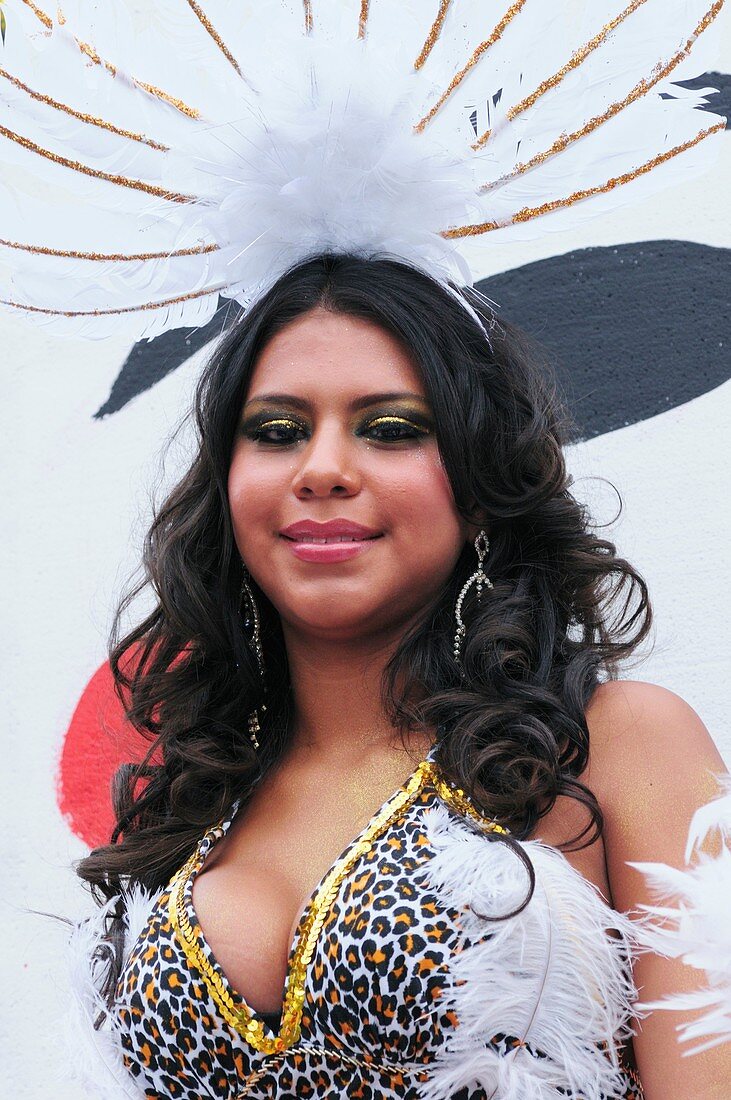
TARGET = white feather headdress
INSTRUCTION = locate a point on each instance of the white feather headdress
(156, 156)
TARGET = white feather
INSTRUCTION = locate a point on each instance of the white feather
(696, 927)
(291, 143)
(96, 1063)
(556, 976)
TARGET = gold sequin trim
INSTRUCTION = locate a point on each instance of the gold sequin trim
(113, 312)
(363, 19)
(91, 119)
(528, 213)
(459, 801)
(45, 19)
(240, 1017)
(644, 86)
(434, 33)
(308, 16)
(576, 60)
(496, 35)
(116, 257)
(203, 18)
(77, 166)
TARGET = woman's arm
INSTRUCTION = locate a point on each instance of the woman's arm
(653, 763)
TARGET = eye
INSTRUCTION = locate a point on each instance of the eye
(394, 429)
(279, 431)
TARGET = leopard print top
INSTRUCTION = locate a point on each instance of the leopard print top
(361, 1017)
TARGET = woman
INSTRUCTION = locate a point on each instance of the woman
(367, 448)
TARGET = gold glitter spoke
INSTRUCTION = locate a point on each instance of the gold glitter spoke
(92, 54)
(85, 169)
(240, 1016)
(113, 312)
(577, 59)
(529, 213)
(91, 119)
(203, 18)
(363, 19)
(308, 16)
(481, 50)
(434, 33)
(641, 89)
(179, 104)
(41, 15)
(115, 257)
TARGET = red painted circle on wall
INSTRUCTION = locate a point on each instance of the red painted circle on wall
(98, 740)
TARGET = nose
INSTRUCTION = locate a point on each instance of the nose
(327, 465)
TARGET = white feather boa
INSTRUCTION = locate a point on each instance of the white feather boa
(697, 927)
(557, 976)
(95, 1056)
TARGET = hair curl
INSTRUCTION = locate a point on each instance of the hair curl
(564, 609)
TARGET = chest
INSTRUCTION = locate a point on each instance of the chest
(256, 885)
(369, 972)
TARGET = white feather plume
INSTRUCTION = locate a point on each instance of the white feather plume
(693, 923)
(177, 152)
(556, 976)
(95, 1054)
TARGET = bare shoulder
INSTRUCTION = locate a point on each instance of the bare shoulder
(652, 764)
(635, 712)
(645, 725)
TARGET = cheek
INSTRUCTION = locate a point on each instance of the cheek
(253, 489)
(424, 512)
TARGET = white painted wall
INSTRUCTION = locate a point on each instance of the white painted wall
(76, 497)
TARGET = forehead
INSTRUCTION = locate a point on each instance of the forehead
(323, 353)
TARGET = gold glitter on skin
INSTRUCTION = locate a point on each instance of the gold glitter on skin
(577, 59)
(91, 119)
(481, 50)
(433, 34)
(122, 181)
(113, 312)
(639, 90)
(201, 15)
(362, 22)
(116, 257)
(238, 1015)
(528, 213)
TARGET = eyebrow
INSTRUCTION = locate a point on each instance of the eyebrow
(293, 402)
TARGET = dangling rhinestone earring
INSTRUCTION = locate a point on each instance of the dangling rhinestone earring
(252, 626)
(479, 578)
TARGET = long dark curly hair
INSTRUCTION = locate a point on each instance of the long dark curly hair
(564, 609)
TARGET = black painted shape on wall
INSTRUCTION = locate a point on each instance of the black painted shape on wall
(632, 330)
(720, 101)
(151, 360)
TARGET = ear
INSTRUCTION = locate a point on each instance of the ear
(475, 521)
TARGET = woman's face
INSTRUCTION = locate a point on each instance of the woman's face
(341, 508)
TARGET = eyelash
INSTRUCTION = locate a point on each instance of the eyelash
(258, 433)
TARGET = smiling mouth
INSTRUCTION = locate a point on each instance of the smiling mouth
(311, 539)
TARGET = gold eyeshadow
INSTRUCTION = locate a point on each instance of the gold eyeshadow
(382, 420)
(417, 422)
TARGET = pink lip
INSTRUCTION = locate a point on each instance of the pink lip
(345, 540)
